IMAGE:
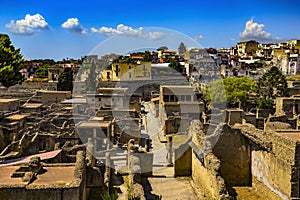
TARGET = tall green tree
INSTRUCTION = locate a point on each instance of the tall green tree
(11, 61)
(65, 80)
(215, 92)
(181, 48)
(175, 64)
(147, 56)
(232, 91)
(271, 85)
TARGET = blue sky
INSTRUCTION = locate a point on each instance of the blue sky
(70, 29)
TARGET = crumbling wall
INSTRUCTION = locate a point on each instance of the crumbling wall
(206, 169)
(53, 96)
(234, 116)
(95, 181)
(39, 134)
(233, 150)
(2, 139)
(274, 166)
(80, 175)
(277, 126)
(263, 112)
(250, 118)
(206, 176)
(263, 179)
(38, 193)
(284, 119)
(74, 191)
(134, 178)
(32, 86)
(183, 160)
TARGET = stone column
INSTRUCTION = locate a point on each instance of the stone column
(147, 144)
(107, 174)
(90, 151)
(90, 145)
(170, 149)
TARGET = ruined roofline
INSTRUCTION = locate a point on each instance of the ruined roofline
(25, 159)
(255, 135)
(264, 139)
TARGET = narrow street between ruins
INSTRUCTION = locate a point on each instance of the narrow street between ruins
(163, 183)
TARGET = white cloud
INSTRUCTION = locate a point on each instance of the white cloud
(73, 25)
(128, 31)
(255, 31)
(156, 35)
(199, 37)
(27, 26)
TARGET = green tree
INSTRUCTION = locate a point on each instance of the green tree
(147, 56)
(11, 61)
(175, 64)
(65, 80)
(42, 71)
(48, 62)
(181, 48)
(233, 91)
(215, 92)
(271, 85)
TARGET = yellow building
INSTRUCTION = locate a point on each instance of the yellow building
(165, 55)
(106, 75)
(247, 48)
(280, 59)
(294, 44)
(121, 70)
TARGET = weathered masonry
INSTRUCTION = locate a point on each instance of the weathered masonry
(245, 156)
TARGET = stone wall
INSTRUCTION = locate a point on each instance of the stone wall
(250, 118)
(205, 174)
(293, 91)
(76, 190)
(234, 116)
(263, 112)
(205, 166)
(246, 156)
(183, 160)
(274, 166)
(262, 178)
(22, 192)
(274, 169)
(284, 119)
(2, 139)
(32, 86)
(233, 150)
(9, 105)
(53, 96)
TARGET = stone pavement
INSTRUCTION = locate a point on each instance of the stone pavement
(152, 127)
(163, 184)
